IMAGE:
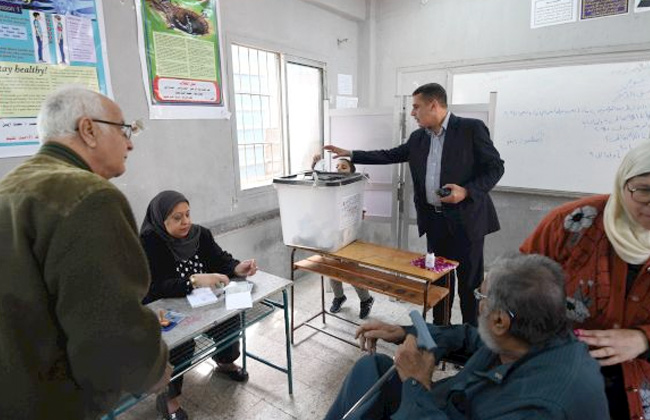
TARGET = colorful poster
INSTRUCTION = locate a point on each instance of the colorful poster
(181, 58)
(44, 45)
(590, 9)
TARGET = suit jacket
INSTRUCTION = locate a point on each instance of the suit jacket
(469, 159)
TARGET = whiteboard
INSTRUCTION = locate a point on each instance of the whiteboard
(367, 129)
(564, 128)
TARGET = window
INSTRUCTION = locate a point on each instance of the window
(256, 79)
(265, 148)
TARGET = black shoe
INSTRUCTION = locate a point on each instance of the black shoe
(161, 406)
(337, 303)
(366, 306)
(237, 375)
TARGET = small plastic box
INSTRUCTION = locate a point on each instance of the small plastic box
(320, 210)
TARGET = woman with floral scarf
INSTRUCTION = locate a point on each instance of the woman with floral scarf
(603, 244)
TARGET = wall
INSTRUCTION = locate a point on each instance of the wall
(461, 32)
(453, 33)
(196, 156)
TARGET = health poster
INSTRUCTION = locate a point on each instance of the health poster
(181, 58)
(44, 45)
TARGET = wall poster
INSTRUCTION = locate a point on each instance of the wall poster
(43, 45)
(181, 58)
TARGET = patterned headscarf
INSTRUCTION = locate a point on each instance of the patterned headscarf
(159, 209)
(630, 240)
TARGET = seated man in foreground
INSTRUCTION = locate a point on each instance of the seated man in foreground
(525, 362)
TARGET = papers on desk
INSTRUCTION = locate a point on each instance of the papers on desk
(202, 296)
(238, 295)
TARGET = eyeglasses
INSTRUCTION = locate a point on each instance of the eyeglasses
(640, 195)
(127, 129)
(480, 296)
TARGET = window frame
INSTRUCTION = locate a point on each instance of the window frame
(286, 55)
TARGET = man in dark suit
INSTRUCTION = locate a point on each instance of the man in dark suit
(455, 153)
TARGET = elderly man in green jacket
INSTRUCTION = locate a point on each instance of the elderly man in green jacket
(73, 334)
(525, 362)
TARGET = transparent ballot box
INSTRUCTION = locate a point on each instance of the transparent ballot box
(320, 210)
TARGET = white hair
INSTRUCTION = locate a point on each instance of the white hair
(61, 111)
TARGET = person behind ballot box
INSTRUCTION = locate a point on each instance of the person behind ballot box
(345, 166)
(74, 335)
(184, 256)
(603, 243)
(525, 363)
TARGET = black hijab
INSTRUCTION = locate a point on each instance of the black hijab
(154, 221)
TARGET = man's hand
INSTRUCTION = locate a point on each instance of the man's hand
(457, 195)
(611, 347)
(246, 268)
(338, 152)
(164, 380)
(369, 332)
(412, 362)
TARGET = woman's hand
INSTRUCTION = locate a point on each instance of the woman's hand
(209, 279)
(369, 332)
(611, 347)
(246, 268)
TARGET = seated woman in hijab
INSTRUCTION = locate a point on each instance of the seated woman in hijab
(603, 244)
(184, 256)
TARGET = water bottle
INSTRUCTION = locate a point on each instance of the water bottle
(430, 260)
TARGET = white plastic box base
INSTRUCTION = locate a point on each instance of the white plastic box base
(321, 217)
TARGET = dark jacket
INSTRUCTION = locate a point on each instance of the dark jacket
(557, 380)
(469, 159)
(165, 281)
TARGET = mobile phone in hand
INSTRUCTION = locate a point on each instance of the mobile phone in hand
(443, 192)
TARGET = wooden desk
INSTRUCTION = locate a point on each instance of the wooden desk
(201, 319)
(379, 269)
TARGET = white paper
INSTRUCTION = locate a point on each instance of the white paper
(552, 12)
(238, 295)
(202, 296)
(350, 210)
(80, 38)
(345, 84)
(19, 137)
(642, 6)
(346, 102)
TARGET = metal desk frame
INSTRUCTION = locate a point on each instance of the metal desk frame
(247, 318)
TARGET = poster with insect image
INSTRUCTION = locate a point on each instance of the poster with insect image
(181, 58)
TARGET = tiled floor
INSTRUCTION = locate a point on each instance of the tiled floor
(320, 364)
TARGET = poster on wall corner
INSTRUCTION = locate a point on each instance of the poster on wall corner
(44, 45)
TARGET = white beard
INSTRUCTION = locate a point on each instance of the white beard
(486, 335)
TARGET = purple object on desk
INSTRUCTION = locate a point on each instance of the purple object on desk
(440, 265)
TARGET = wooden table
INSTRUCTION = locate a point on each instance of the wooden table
(380, 269)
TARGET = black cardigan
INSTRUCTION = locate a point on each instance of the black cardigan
(165, 281)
